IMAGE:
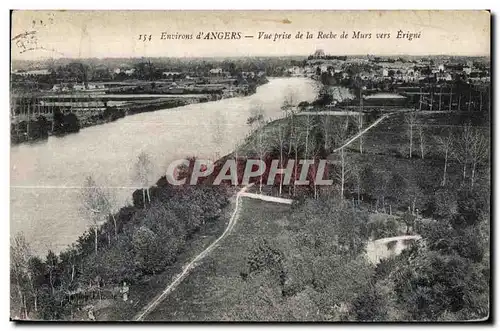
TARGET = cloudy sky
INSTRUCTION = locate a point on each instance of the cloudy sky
(83, 34)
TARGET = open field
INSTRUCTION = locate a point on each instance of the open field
(209, 292)
(141, 293)
(391, 137)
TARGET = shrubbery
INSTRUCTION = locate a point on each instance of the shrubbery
(146, 241)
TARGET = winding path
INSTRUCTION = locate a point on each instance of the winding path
(185, 271)
(232, 221)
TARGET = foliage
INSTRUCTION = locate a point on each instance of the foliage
(370, 306)
(133, 242)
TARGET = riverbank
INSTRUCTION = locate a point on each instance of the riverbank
(289, 276)
(55, 124)
(46, 176)
(111, 146)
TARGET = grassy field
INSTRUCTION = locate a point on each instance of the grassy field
(216, 286)
(391, 136)
(213, 287)
(142, 293)
(386, 149)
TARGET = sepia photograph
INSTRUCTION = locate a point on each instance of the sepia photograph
(250, 166)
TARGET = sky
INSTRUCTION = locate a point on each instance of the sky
(86, 34)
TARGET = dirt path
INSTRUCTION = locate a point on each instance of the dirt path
(191, 265)
(350, 141)
(232, 221)
(378, 249)
(398, 238)
(267, 198)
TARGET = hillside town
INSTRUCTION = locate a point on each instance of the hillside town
(424, 83)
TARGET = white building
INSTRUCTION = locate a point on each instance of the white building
(167, 74)
(248, 74)
(129, 72)
(216, 71)
(295, 70)
(467, 70)
(319, 53)
(39, 72)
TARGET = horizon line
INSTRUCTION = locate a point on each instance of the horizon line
(248, 56)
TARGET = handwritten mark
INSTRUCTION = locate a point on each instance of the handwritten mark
(28, 41)
(41, 48)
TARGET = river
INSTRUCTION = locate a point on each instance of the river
(46, 176)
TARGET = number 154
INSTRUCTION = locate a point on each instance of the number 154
(145, 37)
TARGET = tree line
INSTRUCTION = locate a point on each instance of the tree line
(121, 245)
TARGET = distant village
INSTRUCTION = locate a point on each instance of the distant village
(398, 69)
(91, 93)
(424, 83)
(125, 79)
(43, 100)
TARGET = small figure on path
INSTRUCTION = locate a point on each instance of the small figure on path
(124, 291)
(91, 314)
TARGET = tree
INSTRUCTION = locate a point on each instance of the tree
(256, 119)
(479, 151)
(142, 175)
(382, 187)
(413, 195)
(313, 146)
(261, 148)
(445, 203)
(462, 147)
(326, 128)
(370, 305)
(296, 142)
(341, 130)
(149, 255)
(411, 121)
(52, 266)
(357, 174)
(430, 284)
(422, 140)
(445, 143)
(359, 119)
(20, 254)
(289, 102)
(309, 126)
(36, 276)
(280, 139)
(344, 172)
(266, 256)
(95, 206)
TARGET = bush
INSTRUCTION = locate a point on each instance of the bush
(370, 305)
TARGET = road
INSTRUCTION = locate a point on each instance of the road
(191, 265)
